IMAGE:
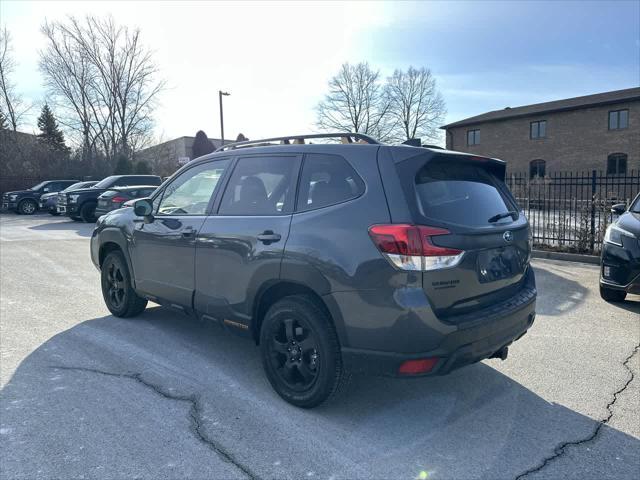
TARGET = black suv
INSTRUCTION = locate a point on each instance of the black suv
(26, 201)
(81, 204)
(620, 259)
(334, 258)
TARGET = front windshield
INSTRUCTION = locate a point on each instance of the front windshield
(635, 206)
(73, 187)
(38, 186)
(105, 182)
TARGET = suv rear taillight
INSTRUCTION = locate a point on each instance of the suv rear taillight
(118, 199)
(409, 247)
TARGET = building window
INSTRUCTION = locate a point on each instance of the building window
(617, 164)
(537, 168)
(618, 119)
(473, 137)
(538, 129)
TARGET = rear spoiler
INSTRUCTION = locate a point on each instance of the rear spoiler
(496, 166)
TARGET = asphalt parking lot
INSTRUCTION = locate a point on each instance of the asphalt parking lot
(87, 395)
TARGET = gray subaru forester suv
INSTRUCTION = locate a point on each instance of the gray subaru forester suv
(334, 258)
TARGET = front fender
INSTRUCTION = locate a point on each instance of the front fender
(110, 235)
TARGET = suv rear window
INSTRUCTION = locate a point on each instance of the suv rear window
(460, 193)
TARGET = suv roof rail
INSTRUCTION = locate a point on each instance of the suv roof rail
(346, 137)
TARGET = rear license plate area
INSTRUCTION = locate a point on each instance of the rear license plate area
(500, 263)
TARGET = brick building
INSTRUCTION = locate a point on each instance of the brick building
(165, 158)
(594, 132)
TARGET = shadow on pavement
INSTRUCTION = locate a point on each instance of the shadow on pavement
(174, 393)
(82, 229)
(561, 294)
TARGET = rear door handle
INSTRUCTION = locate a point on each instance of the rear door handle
(188, 232)
(267, 237)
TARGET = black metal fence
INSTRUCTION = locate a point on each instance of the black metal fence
(570, 211)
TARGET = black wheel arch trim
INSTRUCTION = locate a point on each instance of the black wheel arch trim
(114, 235)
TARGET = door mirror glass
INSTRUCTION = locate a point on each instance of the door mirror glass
(143, 207)
(618, 208)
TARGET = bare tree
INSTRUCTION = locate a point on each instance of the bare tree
(103, 74)
(416, 106)
(355, 103)
(11, 103)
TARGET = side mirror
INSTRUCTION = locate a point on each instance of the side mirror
(619, 208)
(143, 207)
(45, 189)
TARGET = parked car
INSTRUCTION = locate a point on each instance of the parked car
(48, 201)
(114, 198)
(333, 258)
(620, 258)
(81, 204)
(26, 201)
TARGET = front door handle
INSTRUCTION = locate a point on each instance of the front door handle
(268, 237)
(188, 232)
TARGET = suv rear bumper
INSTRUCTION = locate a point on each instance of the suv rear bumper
(379, 330)
(463, 347)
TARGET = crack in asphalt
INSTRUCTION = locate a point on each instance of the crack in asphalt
(194, 413)
(562, 448)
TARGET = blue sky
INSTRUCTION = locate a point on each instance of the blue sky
(276, 58)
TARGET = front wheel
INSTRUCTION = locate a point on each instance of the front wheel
(300, 352)
(117, 291)
(88, 212)
(612, 295)
(27, 207)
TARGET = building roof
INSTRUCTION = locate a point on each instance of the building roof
(606, 98)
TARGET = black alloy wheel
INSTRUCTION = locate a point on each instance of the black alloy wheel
(293, 353)
(300, 351)
(117, 291)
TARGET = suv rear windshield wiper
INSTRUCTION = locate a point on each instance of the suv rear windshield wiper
(513, 214)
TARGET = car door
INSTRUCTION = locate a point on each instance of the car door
(240, 247)
(163, 251)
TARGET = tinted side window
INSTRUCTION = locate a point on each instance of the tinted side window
(260, 186)
(327, 180)
(189, 194)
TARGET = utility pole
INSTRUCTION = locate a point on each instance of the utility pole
(220, 94)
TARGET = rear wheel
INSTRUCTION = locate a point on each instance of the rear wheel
(612, 295)
(27, 207)
(300, 352)
(88, 212)
(119, 296)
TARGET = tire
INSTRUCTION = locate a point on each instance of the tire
(88, 212)
(300, 352)
(53, 213)
(612, 295)
(117, 292)
(27, 207)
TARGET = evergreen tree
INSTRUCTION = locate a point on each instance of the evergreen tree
(201, 145)
(50, 131)
(241, 138)
(142, 168)
(123, 165)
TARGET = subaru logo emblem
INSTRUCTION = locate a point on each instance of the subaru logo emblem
(508, 236)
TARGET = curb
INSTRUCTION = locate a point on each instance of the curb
(567, 257)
